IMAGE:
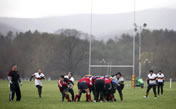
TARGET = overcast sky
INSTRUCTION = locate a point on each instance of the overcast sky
(43, 8)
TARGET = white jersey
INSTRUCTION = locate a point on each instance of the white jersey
(38, 78)
(152, 78)
(71, 79)
(121, 79)
(160, 77)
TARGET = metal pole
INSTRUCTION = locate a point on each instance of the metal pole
(140, 32)
(134, 37)
(134, 54)
(90, 37)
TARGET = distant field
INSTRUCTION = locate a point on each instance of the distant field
(133, 98)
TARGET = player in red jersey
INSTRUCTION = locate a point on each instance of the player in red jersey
(84, 84)
(108, 89)
(63, 86)
(99, 85)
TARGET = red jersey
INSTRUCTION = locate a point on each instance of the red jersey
(107, 81)
(87, 80)
(62, 85)
(98, 78)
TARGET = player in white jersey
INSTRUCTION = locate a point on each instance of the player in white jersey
(38, 81)
(71, 84)
(151, 80)
(160, 80)
(120, 84)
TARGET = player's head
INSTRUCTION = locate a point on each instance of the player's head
(14, 67)
(118, 75)
(159, 71)
(107, 76)
(39, 70)
(69, 74)
(61, 77)
(151, 71)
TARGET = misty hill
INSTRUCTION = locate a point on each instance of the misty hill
(4, 28)
(103, 24)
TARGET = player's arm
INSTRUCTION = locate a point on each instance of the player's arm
(43, 76)
(10, 77)
(32, 77)
(147, 80)
(19, 79)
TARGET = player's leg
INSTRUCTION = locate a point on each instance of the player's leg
(159, 85)
(101, 90)
(39, 90)
(63, 95)
(18, 93)
(72, 93)
(154, 90)
(97, 90)
(162, 88)
(120, 92)
(148, 90)
(67, 95)
(88, 94)
(12, 92)
(77, 96)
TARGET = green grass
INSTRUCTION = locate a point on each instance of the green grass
(133, 98)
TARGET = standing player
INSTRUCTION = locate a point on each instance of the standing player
(70, 85)
(14, 78)
(84, 85)
(160, 76)
(63, 86)
(39, 76)
(151, 80)
(120, 85)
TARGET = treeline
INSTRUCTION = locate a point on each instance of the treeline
(68, 50)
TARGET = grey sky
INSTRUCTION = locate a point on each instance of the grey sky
(41, 8)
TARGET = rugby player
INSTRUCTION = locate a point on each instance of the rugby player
(84, 85)
(160, 80)
(99, 84)
(39, 76)
(152, 81)
(70, 86)
(14, 80)
(63, 86)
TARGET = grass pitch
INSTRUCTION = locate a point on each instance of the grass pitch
(51, 98)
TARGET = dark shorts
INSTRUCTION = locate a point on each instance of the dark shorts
(82, 85)
(99, 84)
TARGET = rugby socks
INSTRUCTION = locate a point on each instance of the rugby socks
(89, 97)
(111, 97)
(76, 97)
(67, 97)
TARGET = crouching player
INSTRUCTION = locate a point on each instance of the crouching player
(84, 85)
(99, 85)
(108, 89)
(151, 80)
(63, 86)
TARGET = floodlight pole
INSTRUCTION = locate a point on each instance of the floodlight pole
(140, 36)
